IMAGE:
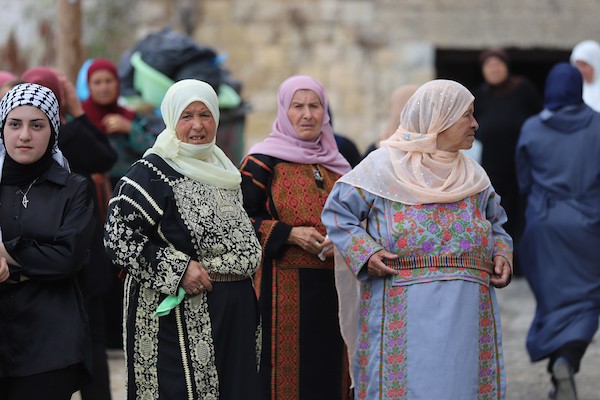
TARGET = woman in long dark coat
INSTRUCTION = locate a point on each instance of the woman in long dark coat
(559, 173)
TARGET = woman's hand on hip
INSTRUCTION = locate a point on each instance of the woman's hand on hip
(376, 265)
(308, 238)
(502, 272)
(196, 279)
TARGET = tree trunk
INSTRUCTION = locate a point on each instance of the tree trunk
(69, 52)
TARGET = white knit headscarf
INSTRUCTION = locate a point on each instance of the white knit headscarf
(205, 163)
(589, 52)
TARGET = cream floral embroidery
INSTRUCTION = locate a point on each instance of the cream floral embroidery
(146, 345)
(224, 242)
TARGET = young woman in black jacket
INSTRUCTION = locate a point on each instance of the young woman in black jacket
(46, 222)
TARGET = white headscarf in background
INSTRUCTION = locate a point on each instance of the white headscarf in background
(410, 169)
(589, 52)
(205, 163)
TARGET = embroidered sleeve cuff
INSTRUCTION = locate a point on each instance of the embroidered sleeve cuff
(358, 251)
(274, 238)
(172, 265)
(503, 249)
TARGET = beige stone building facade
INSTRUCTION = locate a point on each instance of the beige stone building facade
(361, 49)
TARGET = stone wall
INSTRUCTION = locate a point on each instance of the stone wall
(359, 49)
(362, 49)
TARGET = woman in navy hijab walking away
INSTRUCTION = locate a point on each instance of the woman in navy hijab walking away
(558, 171)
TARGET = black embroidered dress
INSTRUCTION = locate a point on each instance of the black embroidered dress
(206, 347)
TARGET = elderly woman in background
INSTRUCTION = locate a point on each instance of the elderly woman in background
(47, 222)
(177, 226)
(420, 228)
(586, 57)
(397, 101)
(559, 174)
(285, 181)
(503, 102)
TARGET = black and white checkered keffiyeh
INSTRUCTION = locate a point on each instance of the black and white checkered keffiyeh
(31, 94)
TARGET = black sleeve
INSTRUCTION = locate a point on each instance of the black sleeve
(257, 174)
(62, 256)
(85, 147)
(348, 150)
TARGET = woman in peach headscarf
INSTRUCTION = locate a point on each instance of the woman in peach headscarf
(425, 321)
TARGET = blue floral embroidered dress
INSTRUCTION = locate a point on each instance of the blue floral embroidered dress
(433, 331)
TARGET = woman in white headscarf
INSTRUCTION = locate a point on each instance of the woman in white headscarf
(177, 227)
(586, 57)
(420, 229)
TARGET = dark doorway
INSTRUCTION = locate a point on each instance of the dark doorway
(463, 65)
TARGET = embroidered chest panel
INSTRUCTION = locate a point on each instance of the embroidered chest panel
(299, 193)
(442, 229)
(297, 196)
(223, 235)
(442, 241)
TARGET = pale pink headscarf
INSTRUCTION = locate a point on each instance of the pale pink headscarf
(409, 168)
(284, 143)
(6, 76)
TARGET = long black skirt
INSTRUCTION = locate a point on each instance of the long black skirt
(234, 319)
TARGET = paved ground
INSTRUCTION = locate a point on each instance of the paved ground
(526, 381)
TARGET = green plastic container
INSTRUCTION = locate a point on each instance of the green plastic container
(149, 82)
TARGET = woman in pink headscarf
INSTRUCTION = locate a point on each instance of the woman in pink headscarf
(6, 79)
(285, 182)
(6, 76)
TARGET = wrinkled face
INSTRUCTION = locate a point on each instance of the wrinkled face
(104, 87)
(196, 124)
(460, 135)
(587, 71)
(306, 114)
(26, 134)
(495, 71)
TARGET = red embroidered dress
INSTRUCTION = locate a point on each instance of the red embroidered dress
(302, 347)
